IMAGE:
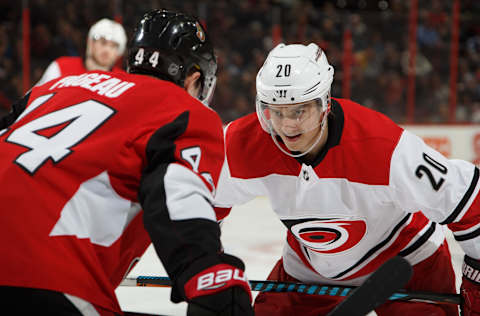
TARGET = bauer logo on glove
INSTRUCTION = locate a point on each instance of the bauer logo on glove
(217, 279)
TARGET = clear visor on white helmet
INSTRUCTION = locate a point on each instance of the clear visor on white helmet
(293, 92)
(293, 119)
(290, 119)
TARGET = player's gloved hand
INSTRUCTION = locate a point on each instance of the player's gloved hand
(470, 288)
(221, 289)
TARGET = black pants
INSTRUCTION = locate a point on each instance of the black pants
(28, 301)
(20, 301)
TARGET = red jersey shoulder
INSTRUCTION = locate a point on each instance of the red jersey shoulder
(71, 65)
(251, 153)
(118, 70)
(167, 96)
(366, 146)
(362, 123)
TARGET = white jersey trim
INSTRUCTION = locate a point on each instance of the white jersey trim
(84, 307)
(96, 212)
(52, 72)
(187, 196)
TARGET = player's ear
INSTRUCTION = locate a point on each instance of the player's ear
(192, 84)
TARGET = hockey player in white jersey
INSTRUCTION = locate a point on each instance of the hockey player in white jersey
(353, 188)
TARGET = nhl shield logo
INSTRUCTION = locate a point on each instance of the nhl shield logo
(173, 69)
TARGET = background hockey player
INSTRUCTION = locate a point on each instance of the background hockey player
(81, 157)
(106, 43)
(353, 189)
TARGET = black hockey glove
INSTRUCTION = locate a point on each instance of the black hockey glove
(219, 289)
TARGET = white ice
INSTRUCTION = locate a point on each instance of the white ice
(252, 232)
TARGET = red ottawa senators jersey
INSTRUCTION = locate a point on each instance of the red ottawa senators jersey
(374, 191)
(87, 162)
(66, 66)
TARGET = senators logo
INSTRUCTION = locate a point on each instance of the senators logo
(330, 235)
(200, 32)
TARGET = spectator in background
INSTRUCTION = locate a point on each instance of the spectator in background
(106, 42)
(232, 24)
(6, 67)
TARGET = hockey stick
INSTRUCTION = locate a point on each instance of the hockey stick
(313, 289)
(380, 285)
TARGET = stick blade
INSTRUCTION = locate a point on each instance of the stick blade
(391, 276)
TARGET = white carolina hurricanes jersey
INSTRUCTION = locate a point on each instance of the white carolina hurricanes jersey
(375, 191)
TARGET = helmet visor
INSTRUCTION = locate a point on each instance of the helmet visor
(291, 119)
(208, 88)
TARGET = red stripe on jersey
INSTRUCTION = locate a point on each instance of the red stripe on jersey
(470, 218)
(222, 212)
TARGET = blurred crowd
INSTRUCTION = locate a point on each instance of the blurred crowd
(242, 33)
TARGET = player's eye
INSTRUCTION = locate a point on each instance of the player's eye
(277, 113)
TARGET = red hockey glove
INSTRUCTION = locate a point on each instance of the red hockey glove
(219, 290)
(470, 288)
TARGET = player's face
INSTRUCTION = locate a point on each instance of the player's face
(192, 84)
(298, 125)
(104, 52)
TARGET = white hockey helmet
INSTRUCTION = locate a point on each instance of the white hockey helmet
(109, 30)
(293, 75)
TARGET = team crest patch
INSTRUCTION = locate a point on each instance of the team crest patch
(330, 236)
(200, 33)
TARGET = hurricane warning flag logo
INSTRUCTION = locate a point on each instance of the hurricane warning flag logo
(330, 235)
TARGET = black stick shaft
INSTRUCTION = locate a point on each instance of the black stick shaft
(313, 289)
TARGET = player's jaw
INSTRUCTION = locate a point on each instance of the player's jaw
(104, 58)
(298, 140)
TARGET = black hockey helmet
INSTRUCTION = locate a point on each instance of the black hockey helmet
(169, 45)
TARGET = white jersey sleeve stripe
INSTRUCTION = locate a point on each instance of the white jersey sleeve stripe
(187, 195)
(52, 72)
(467, 236)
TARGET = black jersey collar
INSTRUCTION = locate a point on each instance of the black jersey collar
(335, 129)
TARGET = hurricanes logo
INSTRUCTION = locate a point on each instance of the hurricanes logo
(200, 33)
(330, 235)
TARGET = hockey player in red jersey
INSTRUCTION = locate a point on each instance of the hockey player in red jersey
(352, 188)
(96, 166)
(106, 43)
